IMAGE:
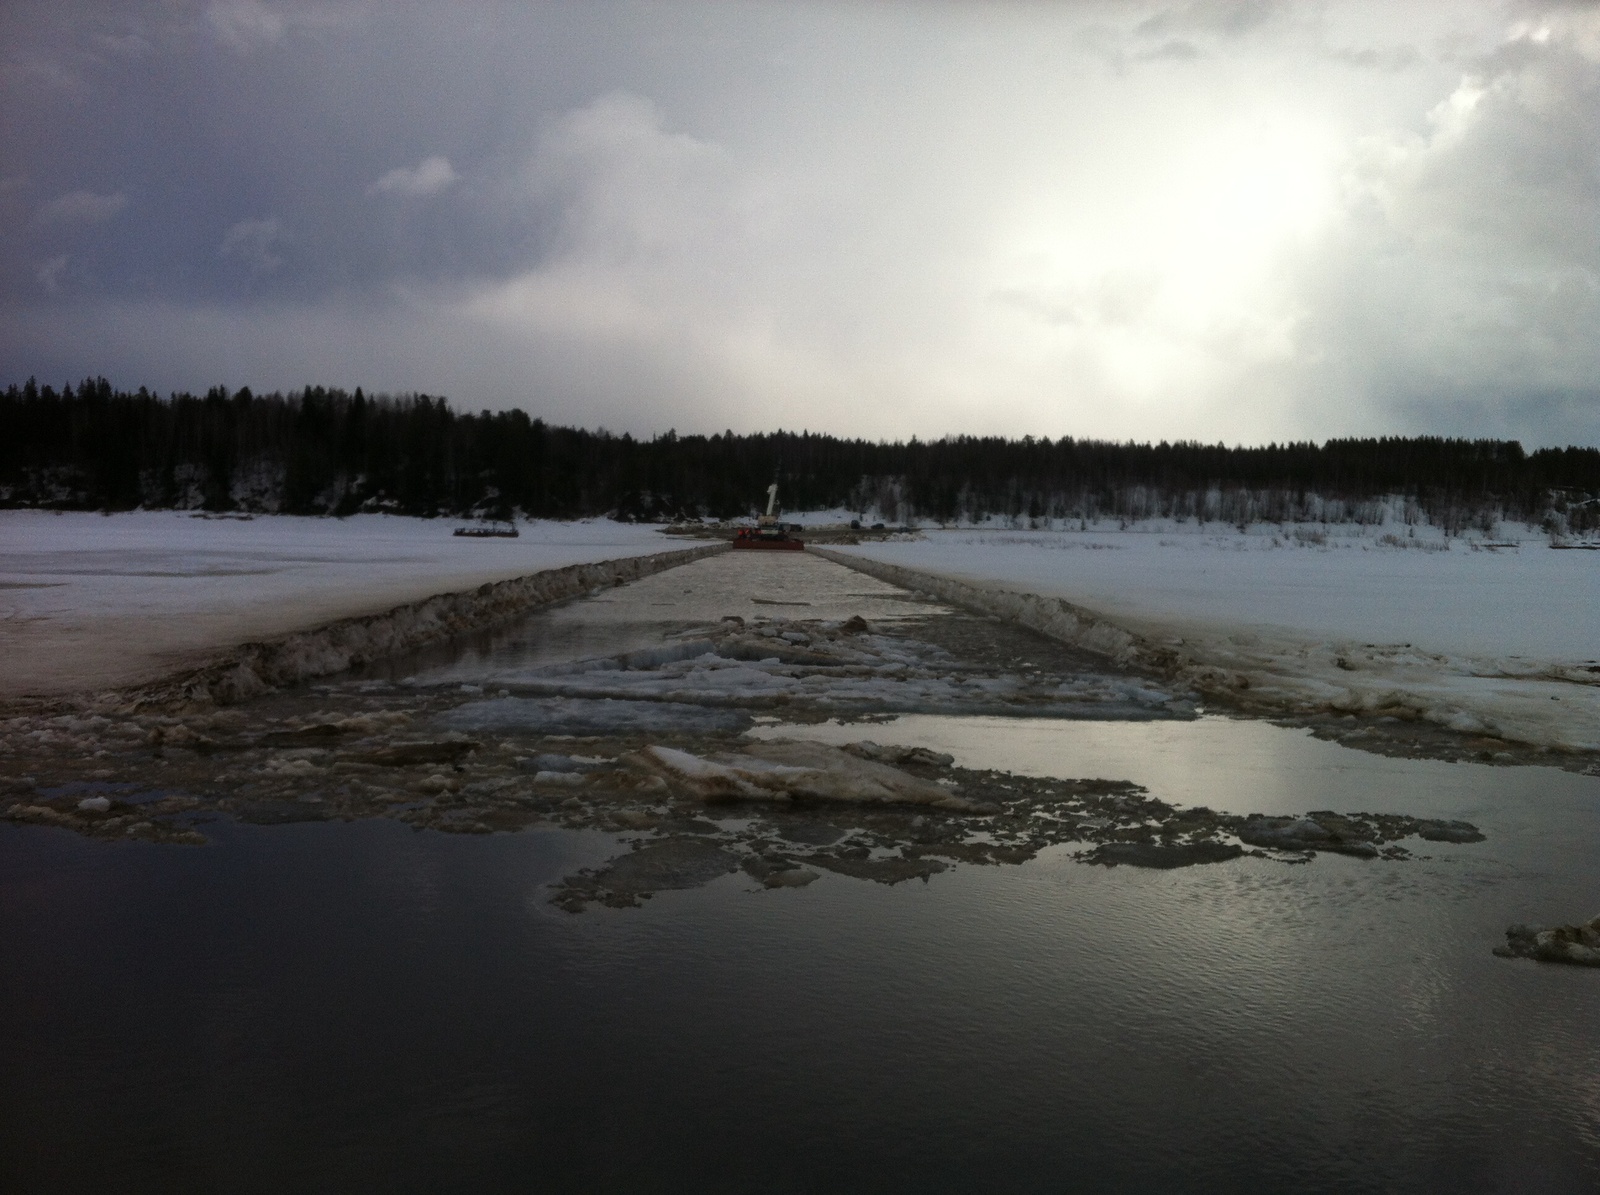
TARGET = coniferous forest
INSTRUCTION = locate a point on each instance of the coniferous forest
(326, 451)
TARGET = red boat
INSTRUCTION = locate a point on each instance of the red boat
(768, 534)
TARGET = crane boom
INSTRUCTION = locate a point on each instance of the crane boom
(768, 532)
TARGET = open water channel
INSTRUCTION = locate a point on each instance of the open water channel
(646, 933)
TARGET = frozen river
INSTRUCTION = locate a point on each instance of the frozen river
(356, 985)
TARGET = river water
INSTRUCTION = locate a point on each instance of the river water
(337, 1006)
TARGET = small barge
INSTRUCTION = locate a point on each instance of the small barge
(489, 531)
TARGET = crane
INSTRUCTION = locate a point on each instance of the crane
(768, 533)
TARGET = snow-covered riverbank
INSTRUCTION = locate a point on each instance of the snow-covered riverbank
(89, 601)
(1498, 640)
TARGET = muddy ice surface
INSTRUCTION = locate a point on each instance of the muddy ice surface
(1575, 944)
(626, 712)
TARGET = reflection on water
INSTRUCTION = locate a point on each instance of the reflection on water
(1241, 765)
(1541, 823)
(358, 1007)
(363, 1006)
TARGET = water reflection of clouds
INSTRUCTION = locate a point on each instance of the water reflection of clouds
(1238, 765)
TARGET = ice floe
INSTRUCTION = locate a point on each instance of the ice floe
(802, 772)
(1576, 944)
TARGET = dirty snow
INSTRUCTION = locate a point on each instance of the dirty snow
(761, 631)
(92, 601)
(1503, 641)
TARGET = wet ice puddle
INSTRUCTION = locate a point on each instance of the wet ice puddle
(1240, 765)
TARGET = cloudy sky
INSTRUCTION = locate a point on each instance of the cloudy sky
(1220, 219)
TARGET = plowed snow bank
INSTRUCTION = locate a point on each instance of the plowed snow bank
(1497, 642)
(91, 602)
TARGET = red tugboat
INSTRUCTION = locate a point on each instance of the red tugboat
(768, 534)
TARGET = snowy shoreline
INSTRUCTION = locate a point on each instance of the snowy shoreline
(256, 668)
(91, 602)
(1498, 642)
(1478, 636)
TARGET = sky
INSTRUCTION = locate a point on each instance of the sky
(1224, 220)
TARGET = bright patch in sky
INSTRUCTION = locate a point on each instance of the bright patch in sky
(1180, 267)
(1215, 220)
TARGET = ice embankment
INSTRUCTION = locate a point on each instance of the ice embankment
(1275, 670)
(1055, 617)
(255, 668)
(92, 602)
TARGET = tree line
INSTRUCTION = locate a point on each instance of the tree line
(328, 451)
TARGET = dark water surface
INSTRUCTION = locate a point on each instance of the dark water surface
(355, 1007)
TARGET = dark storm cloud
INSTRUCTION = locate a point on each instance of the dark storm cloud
(1222, 218)
(245, 111)
(1464, 278)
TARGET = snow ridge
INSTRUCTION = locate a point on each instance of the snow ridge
(1055, 617)
(1545, 705)
(255, 668)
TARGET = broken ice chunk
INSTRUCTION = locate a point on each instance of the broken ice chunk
(802, 771)
(1578, 944)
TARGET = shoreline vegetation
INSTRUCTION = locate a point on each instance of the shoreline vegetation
(324, 451)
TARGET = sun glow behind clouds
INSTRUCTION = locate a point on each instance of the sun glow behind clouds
(1175, 278)
(1237, 193)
